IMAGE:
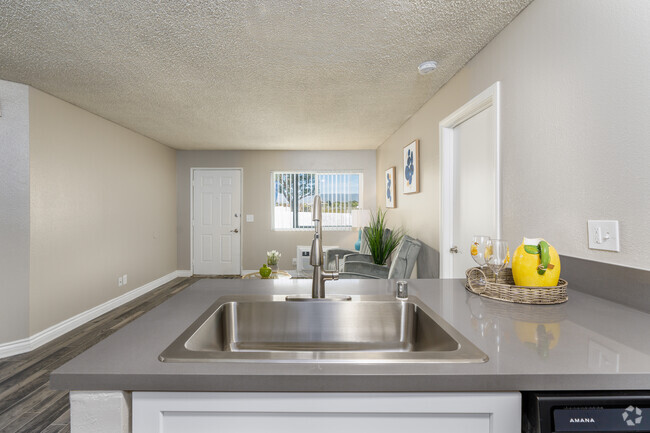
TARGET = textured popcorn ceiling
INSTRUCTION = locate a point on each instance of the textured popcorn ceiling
(266, 74)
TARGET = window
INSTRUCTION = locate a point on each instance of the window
(293, 195)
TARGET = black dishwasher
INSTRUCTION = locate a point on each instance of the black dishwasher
(588, 411)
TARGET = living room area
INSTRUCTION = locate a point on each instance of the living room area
(264, 216)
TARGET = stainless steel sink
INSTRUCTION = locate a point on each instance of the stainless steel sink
(367, 329)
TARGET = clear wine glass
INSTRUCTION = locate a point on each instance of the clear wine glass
(497, 256)
(477, 251)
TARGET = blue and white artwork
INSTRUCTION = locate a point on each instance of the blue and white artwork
(411, 168)
(390, 187)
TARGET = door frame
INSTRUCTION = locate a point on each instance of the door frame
(490, 97)
(241, 205)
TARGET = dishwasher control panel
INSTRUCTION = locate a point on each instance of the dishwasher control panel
(572, 412)
(601, 419)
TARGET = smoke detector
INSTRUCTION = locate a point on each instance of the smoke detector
(427, 67)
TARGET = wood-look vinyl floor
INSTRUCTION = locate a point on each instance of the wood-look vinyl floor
(27, 403)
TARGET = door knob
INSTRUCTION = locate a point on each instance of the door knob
(235, 231)
(453, 250)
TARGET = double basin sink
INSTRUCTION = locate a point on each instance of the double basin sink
(365, 330)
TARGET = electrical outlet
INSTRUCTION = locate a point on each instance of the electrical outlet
(294, 261)
(603, 235)
(124, 279)
(250, 218)
(119, 282)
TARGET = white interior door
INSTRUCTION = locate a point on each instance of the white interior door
(216, 222)
(473, 193)
(470, 181)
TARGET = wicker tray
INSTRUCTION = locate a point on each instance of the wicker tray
(504, 289)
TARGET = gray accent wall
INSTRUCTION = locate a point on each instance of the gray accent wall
(14, 211)
(257, 237)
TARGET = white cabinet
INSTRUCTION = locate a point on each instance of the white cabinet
(199, 412)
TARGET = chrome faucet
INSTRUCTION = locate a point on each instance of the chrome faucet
(316, 255)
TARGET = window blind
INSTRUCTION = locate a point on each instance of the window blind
(293, 195)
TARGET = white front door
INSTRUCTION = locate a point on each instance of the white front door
(216, 223)
(470, 182)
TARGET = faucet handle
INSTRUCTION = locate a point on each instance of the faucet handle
(334, 273)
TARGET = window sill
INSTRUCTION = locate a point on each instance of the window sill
(325, 229)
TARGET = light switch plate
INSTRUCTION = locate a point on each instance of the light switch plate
(250, 218)
(603, 235)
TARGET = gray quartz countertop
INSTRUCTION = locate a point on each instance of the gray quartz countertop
(585, 344)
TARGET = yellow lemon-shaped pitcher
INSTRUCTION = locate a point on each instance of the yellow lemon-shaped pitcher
(536, 264)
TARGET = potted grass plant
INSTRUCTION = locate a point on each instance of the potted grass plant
(381, 242)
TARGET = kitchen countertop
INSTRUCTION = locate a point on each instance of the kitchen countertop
(587, 343)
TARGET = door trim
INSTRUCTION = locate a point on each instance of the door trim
(490, 97)
(241, 205)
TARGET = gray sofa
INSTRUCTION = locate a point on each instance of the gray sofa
(361, 265)
(330, 255)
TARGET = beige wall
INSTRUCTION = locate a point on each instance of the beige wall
(103, 204)
(14, 211)
(575, 133)
(257, 167)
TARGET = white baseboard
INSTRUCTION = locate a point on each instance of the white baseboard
(15, 347)
(45, 336)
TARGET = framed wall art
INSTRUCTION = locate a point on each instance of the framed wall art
(411, 168)
(390, 187)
